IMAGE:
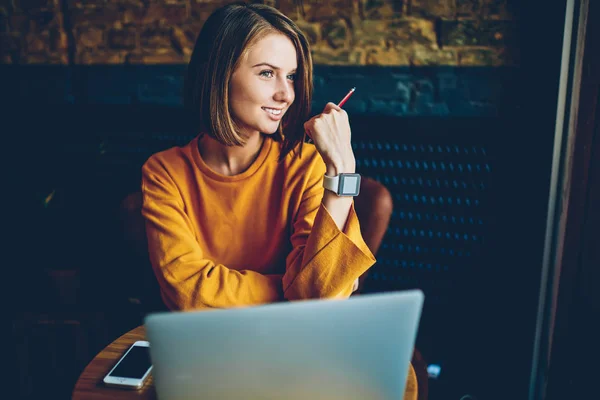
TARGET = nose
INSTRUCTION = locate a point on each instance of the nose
(284, 92)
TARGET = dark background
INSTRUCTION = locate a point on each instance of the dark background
(465, 151)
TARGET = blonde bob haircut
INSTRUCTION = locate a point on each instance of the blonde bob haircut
(223, 40)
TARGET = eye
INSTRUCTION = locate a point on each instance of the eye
(292, 77)
(266, 73)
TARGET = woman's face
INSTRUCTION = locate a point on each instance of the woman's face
(261, 89)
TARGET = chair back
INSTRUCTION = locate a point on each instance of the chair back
(374, 206)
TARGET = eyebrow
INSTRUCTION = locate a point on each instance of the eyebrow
(271, 66)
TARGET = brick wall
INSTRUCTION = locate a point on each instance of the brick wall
(342, 32)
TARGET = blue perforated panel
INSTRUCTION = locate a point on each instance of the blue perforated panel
(440, 192)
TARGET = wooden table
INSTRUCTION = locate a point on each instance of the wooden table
(89, 386)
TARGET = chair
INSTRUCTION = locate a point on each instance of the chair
(373, 207)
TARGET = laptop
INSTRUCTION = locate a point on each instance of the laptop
(359, 348)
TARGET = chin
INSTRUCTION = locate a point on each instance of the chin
(270, 130)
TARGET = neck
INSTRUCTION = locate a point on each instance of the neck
(230, 160)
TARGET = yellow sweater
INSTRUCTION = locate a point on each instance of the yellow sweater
(258, 237)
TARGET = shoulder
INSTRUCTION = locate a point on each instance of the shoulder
(305, 159)
(169, 161)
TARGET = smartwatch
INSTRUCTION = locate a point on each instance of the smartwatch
(343, 184)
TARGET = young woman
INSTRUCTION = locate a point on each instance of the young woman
(240, 216)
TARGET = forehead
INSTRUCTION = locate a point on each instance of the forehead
(275, 49)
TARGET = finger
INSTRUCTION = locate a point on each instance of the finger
(331, 106)
(308, 125)
(307, 128)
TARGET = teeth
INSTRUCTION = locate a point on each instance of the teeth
(272, 111)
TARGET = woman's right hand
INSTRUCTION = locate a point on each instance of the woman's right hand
(330, 132)
(345, 296)
(355, 286)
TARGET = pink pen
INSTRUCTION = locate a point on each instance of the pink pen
(345, 99)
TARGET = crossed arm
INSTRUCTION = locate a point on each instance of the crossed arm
(325, 261)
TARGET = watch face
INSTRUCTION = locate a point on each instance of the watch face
(349, 184)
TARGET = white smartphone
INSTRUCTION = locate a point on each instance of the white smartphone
(133, 369)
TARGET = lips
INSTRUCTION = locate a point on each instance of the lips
(273, 111)
(275, 114)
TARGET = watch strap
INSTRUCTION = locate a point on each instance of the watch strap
(332, 183)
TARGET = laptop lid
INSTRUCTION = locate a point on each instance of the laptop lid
(358, 348)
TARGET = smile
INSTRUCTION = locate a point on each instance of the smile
(273, 111)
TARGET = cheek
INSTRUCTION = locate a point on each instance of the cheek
(240, 90)
(240, 100)
(238, 94)
(248, 98)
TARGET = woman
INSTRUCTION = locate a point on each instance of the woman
(239, 216)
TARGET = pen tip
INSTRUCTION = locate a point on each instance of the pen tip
(353, 89)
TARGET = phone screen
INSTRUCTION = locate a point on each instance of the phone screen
(135, 364)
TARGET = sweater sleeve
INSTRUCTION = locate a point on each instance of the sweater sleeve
(324, 261)
(188, 280)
